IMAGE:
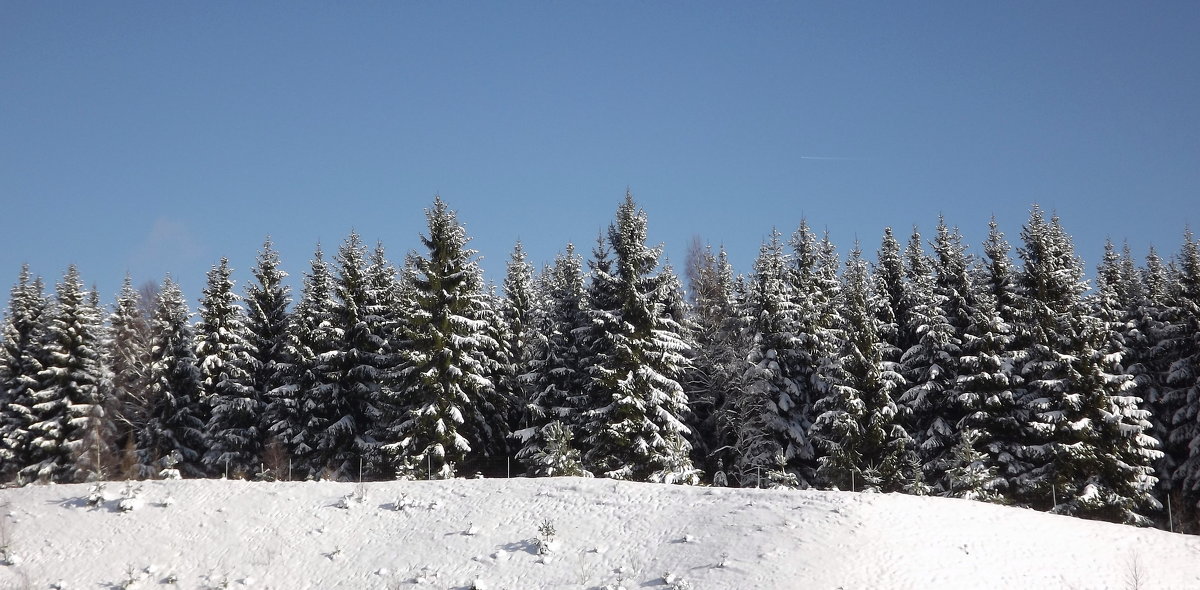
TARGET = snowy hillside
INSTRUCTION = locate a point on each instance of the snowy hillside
(455, 534)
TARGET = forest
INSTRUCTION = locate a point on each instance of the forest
(1006, 377)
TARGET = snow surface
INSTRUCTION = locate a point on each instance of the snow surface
(485, 532)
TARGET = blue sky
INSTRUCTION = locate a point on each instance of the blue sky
(157, 137)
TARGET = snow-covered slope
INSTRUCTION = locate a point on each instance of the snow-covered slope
(453, 534)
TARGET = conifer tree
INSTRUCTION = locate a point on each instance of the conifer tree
(20, 363)
(558, 376)
(270, 365)
(1182, 392)
(522, 339)
(1086, 440)
(293, 412)
(449, 406)
(235, 442)
(71, 432)
(347, 405)
(175, 417)
(857, 420)
(129, 360)
(636, 418)
(771, 406)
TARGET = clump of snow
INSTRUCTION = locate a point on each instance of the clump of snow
(620, 535)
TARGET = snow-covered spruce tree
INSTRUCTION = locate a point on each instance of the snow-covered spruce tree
(449, 408)
(235, 442)
(269, 363)
(291, 411)
(522, 339)
(558, 377)
(1182, 392)
(70, 433)
(555, 456)
(770, 406)
(857, 420)
(20, 363)
(989, 389)
(1086, 439)
(930, 365)
(636, 419)
(891, 307)
(175, 414)
(970, 475)
(718, 359)
(129, 360)
(347, 399)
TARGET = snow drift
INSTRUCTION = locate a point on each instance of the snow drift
(558, 533)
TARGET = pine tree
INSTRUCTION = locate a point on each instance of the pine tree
(271, 367)
(857, 420)
(558, 376)
(449, 406)
(348, 395)
(774, 417)
(636, 418)
(1086, 440)
(1182, 392)
(20, 363)
(175, 415)
(930, 365)
(129, 360)
(71, 431)
(294, 411)
(235, 443)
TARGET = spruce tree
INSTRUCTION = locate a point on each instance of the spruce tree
(522, 339)
(235, 442)
(129, 360)
(558, 375)
(1182, 392)
(173, 434)
(1086, 440)
(20, 363)
(449, 410)
(271, 367)
(857, 427)
(71, 434)
(636, 418)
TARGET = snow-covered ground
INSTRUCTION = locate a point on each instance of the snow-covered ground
(456, 534)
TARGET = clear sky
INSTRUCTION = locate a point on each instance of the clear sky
(159, 136)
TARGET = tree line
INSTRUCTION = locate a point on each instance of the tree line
(926, 370)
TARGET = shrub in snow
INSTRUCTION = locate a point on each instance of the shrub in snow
(130, 498)
(357, 497)
(95, 495)
(545, 542)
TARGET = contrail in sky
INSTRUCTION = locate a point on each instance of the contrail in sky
(825, 158)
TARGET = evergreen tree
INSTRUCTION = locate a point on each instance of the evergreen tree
(774, 417)
(558, 376)
(348, 401)
(71, 432)
(857, 420)
(174, 431)
(235, 443)
(522, 339)
(930, 365)
(637, 412)
(449, 406)
(129, 360)
(971, 476)
(1086, 440)
(989, 389)
(1182, 391)
(20, 363)
(271, 366)
(293, 412)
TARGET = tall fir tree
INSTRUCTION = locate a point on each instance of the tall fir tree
(270, 363)
(635, 422)
(348, 398)
(857, 424)
(1181, 345)
(1086, 440)
(129, 360)
(235, 441)
(558, 374)
(71, 434)
(449, 411)
(20, 364)
(173, 435)
(521, 340)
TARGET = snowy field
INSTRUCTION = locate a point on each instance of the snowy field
(607, 534)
